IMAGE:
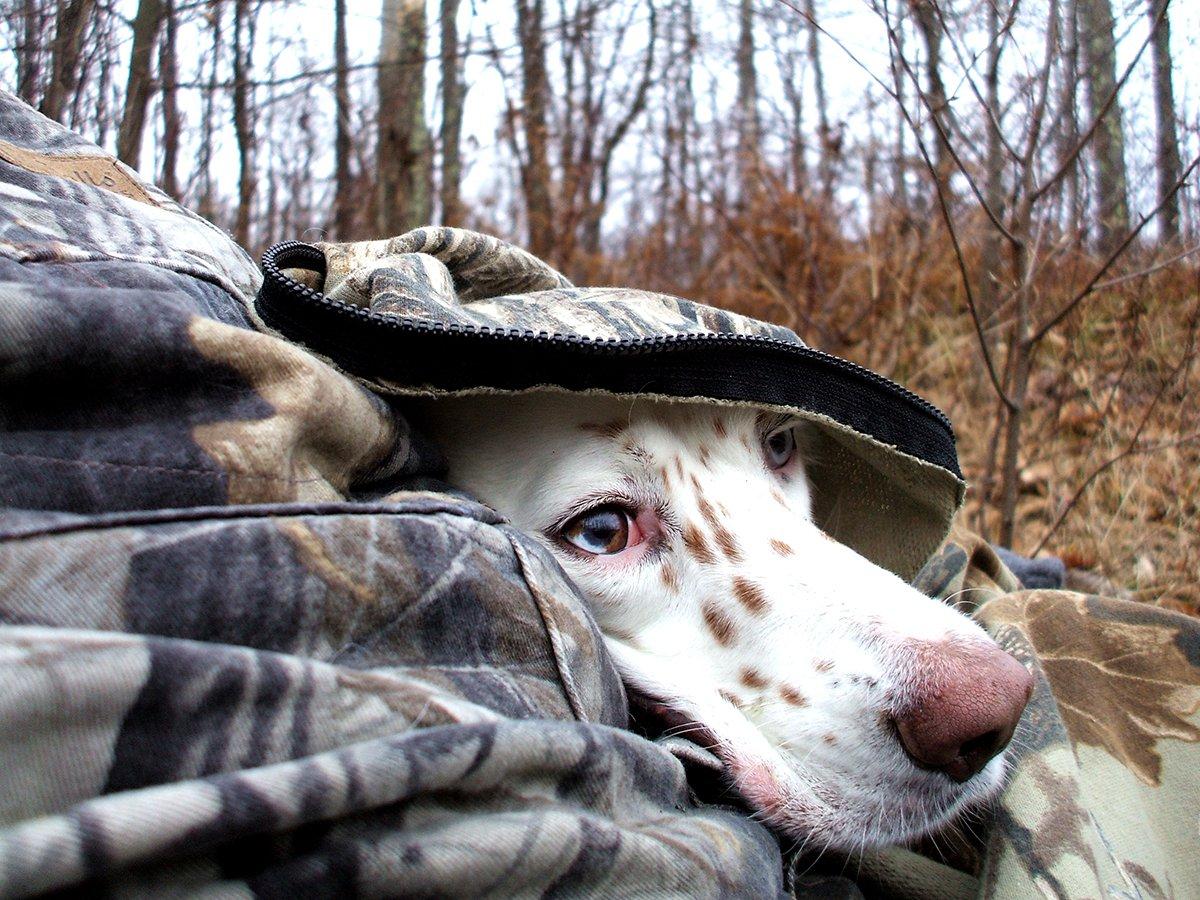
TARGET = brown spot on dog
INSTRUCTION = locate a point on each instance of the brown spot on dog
(696, 484)
(670, 578)
(823, 665)
(792, 696)
(778, 497)
(727, 544)
(693, 539)
(719, 427)
(721, 534)
(679, 468)
(783, 549)
(752, 678)
(610, 430)
(829, 739)
(703, 450)
(746, 442)
(730, 697)
(750, 595)
(718, 623)
(664, 475)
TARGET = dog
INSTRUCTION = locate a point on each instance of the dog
(848, 710)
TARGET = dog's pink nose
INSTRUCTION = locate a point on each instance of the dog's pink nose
(965, 708)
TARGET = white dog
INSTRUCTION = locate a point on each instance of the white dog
(848, 709)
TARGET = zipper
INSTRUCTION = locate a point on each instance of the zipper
(370, 345)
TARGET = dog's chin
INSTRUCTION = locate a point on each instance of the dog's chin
(823, 811)
(849, 819)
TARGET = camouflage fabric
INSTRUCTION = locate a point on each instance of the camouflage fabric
(250, 645)
(464, 278)
(1104, 798)
(885, 465)
(244, 648)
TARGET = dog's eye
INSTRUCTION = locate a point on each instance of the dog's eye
(780, 447)
(602, 531)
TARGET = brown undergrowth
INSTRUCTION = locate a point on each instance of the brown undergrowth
(1110, 458)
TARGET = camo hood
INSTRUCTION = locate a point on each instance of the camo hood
(448, 311)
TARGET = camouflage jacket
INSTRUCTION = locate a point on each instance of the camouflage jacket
(250, 645)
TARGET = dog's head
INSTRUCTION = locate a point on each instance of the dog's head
(847, 708)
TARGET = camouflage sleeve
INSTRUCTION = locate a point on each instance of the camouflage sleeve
(1103, 798)
(242, 649)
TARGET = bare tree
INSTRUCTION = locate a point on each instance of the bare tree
(402, 152)
(69, 26)
(208, 120)
(31, 51)
(168, 68)
(535, 102)
(244, 116)
(746, 106)
(993, 164)
(1166, 155)
(452, 115)
(138, 87)
(825, 137)
(342, 199)
(1096, 25)
(937, 105)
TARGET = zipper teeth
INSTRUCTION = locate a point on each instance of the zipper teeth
(308, 253)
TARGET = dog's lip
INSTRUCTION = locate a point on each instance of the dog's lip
(675, 722)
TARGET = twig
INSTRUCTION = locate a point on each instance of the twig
(1113, 256)
(1150, 270)
(1130, 450)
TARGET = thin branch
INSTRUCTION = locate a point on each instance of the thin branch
(1090, 287)
(1071, 157)
(1149, 270)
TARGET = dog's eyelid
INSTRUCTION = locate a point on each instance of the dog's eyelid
(592, 502)
(769, 425)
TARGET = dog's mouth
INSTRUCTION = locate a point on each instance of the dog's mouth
(897, 804)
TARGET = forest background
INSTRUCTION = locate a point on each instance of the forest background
(990, 201)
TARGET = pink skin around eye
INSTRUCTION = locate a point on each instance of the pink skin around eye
(643, 527)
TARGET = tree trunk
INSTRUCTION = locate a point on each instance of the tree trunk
(747, 123)
(993, 186)
(535, 102)
(1108, 140)
(243, 122)
(139, 86)
(208, 127)
(403, 142)
(900, 166)
(1069, 134)
(930, 26)
(69, 26)
(1166, 157)
(825, 164)
(168, 73)
(452, 113)
(343, 215)
(30, 52)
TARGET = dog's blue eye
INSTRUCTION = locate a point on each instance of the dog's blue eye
(780, 447)
(600, 531)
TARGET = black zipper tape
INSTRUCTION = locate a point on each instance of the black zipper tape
(735, 367)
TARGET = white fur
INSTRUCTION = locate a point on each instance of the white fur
(834, 630)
